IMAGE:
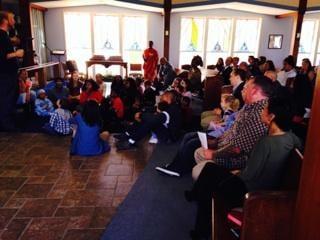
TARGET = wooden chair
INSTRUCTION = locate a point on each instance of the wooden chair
(135, 70)
(227, 89)
(266, 215)
(212, 92)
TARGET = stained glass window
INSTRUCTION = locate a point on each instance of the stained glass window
(219, 36)
(191, 39)
(246, 38)
(78, 38)
(106, 41)
(134, 38)
(307, 41)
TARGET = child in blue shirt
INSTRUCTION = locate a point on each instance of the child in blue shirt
(43, 106)
(88, 140)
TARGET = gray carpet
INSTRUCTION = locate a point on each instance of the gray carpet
(155, 208)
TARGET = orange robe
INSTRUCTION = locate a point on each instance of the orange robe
(151, 58)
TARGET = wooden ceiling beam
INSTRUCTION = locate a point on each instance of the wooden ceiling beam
(167, 6)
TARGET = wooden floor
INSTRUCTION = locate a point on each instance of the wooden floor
(45, 194)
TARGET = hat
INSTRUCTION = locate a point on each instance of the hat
(40, 91)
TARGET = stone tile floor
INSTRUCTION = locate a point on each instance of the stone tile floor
(47, 195)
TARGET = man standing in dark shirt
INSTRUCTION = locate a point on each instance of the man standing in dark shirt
(8, 75)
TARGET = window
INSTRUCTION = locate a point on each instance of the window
(134, 38)
(225, 37)
(78, 38)
(218, 44)
(82, 42)
(317, 63)
(38, 35)
(191, 39)
(246, 38)
(106, 41)
(307, 41)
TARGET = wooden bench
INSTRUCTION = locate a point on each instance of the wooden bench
(266, 215)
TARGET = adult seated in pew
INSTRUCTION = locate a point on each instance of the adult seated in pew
(263, 171)
(26, 95)
(227, 70)
(245, 67)
(219, 65)
(59, 91)
(288, 71)
(235, 62)
(195, 74)
(237, 80)
(235, 145)
(166, 73)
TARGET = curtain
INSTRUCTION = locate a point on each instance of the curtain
(37, 22)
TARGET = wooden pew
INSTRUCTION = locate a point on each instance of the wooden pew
(212, 92)
(266, 215)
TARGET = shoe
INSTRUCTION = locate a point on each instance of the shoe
(165, 169)
(153, 140)
(120, 136)
(125, 145)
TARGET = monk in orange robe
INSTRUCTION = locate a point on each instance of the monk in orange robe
(150, 57)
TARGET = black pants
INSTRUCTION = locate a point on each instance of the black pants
(8, 99)
(184, 160)
(151, 123)
(215, 180)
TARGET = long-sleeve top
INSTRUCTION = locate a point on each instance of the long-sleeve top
(43, 107)
(59, 121)
(268, 160)
(86, 141)
(243, 135)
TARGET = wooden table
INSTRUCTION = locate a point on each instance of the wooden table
(107, 64)
(41, 71)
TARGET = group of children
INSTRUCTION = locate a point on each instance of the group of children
(82, 109)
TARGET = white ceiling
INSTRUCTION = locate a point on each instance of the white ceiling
(233, 5)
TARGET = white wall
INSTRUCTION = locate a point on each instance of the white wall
(269, 25)
(54, 24)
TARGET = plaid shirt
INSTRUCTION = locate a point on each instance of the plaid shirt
(243, 135)
(59, 124)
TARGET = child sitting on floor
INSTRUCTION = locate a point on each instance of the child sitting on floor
(88, 140)
(161, 109)
(43, 106)
(59, 120)
(26, 95)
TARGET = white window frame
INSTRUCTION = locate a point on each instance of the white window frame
(232, 34)
(315, 41)
(121, 30)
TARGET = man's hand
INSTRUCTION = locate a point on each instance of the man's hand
(19, 53)
(208, 154)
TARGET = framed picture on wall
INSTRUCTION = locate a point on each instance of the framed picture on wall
(275, 41)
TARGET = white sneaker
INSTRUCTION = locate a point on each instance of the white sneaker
(153, 140)
(167, 171)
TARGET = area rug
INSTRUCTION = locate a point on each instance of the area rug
(155, 208)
